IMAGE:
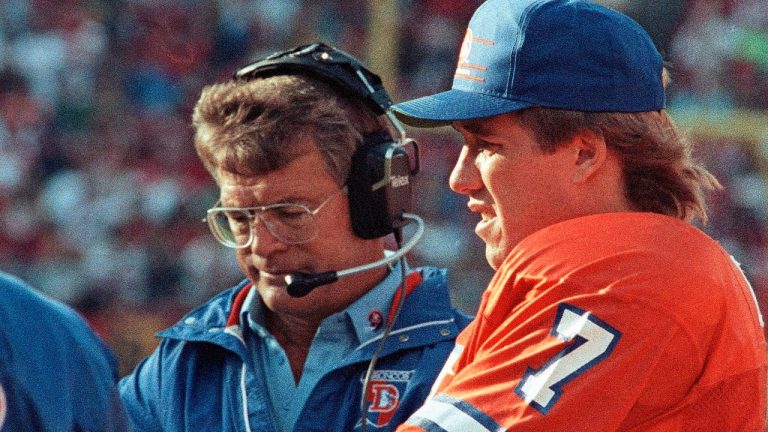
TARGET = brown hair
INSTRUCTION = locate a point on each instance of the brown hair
(252, 127)
(659, 173)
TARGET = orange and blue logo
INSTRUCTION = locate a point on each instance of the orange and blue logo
(383, 397)
(465, 69)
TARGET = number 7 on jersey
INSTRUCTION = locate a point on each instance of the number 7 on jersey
(592, 342)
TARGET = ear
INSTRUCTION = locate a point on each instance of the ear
(588, 152)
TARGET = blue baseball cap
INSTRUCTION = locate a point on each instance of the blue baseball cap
(565, 54)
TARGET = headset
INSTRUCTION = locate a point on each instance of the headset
(379, 183)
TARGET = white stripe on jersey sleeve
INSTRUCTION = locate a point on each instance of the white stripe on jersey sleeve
(447, 416)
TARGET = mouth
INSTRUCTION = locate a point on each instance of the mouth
(485, 217)
(486, 212)
(486, 220)
(275, 279)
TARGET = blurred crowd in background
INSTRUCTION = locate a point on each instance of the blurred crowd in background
(102, 194)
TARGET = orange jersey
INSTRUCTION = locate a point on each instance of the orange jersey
(611, 322)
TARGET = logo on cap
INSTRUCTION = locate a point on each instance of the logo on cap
(465, 69)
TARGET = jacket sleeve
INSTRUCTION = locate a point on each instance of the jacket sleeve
(140, 392)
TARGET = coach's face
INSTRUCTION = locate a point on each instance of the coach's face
(515, 187)
(268, 259)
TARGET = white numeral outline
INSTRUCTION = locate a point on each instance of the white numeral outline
(593, 341)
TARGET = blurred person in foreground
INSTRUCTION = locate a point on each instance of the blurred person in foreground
(609, 310)
(56, 374)
(287, 141)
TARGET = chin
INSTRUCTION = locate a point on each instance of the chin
(493, 259)
(277, 299)
(496, 255)
(270, 292)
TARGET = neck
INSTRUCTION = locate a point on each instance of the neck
(606, 192)
(295, 332)
(295, 335)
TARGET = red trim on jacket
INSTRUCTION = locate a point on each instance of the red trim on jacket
(237, 304)
(412, 281)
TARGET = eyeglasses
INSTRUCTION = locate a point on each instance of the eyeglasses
(290, 223)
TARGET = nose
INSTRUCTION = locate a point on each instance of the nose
(264, 242)
(465, 178)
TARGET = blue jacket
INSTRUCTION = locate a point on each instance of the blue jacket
(196, 379)
(55, 373)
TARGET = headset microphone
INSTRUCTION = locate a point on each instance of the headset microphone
(301, 284)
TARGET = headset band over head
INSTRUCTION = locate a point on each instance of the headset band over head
(327, 63)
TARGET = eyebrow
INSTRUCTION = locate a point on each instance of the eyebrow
(475, 127)
(289, 199)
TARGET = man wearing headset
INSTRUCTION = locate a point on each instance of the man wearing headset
(289, 141)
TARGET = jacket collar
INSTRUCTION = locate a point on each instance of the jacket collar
(363, 318)
(218, 320)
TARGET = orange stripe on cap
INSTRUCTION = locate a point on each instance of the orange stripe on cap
(469, 77)
(413, 280)
(483, 41)
(237, 304)
(472, 66)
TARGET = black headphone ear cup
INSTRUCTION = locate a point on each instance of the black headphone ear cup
(379, 187)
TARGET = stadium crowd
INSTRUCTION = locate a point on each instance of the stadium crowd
(102, 195)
